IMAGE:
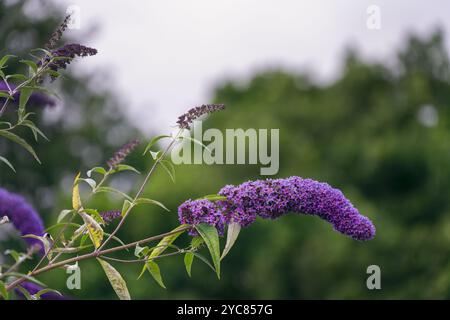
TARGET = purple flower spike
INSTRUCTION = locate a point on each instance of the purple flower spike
(271, 198)
(24, 218)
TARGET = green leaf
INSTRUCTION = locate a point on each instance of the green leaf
(125, 167)
(90, 182)
(150, 201)
(25, 95)
(20, 141)
(17, 76)
(13, 253)
(170, 169)
(211, 237)
(94, 229)
(126, 207)
(63, 214)
(31, 64)
(154, 140)
(34, 129)
(25, 293)
(233, 231)
(45, 241)
(4, 94)
(96, 169)
(195, 141)
(119, 285)
(38, 295)
(154, 270)
(27, 277)
(4, 160)
(166, 242)
(188, 259)
(141, 251)
(3, 292)
(112, 190)
(5, 59)
(213, 197)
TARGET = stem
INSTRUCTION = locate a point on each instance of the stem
(105, 176)
(141, 190)
(94, 254)
(23, 84)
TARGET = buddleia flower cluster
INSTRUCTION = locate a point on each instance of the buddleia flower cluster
(272, 198)
(120, 155)
(185, 120)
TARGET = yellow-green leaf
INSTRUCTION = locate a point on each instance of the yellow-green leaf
(166, 241)
(76, 199)
(94, 229)
(119, 285)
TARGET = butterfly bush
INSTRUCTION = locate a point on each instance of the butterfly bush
(85, 231)
(272, 198)
(22, 215)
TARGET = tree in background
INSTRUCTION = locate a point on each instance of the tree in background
(85, 127)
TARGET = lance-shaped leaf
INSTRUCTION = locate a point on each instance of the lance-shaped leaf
(94, 229)
(233, 231)
(119, 285)
(25, 95)
(154, 270)
(76, 199)
(100, 170)
(4, 160)
(46, 242)
(3, 292)
(112, 190)
(154, 140)
(150, 201)
(211, 237)
(188, 259)
(166, 242)
(21, 142)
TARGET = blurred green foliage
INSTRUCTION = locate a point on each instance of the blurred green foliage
(380, 132)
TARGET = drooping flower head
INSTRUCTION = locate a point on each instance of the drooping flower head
(66, 54)
(185, 120)
(122, 153)
(22, 215)
(271, 198)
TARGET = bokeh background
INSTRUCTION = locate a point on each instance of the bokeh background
(367, 111)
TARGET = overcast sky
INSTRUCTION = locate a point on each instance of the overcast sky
(166, 56)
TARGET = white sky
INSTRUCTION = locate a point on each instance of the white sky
(166, 56)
